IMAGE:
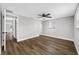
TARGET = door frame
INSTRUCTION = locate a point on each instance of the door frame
(4, 26)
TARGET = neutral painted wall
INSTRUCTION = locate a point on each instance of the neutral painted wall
(76, 30)
(62, 28)
(0, 29)
(28, 28)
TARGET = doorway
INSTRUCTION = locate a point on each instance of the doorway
(8, 27)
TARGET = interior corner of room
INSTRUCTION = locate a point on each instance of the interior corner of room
(36, 23)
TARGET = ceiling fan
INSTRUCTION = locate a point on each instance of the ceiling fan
(44, 15)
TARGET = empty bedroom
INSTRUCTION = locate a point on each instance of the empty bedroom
(39, 28)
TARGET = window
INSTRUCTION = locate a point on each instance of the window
(51, 24)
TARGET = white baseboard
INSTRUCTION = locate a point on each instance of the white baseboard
(27, 38)
(59, 37)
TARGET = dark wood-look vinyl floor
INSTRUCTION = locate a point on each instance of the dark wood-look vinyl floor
(41, 45)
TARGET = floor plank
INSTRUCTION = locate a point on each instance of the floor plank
(42, 45)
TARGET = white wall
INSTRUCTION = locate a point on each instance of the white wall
(63, 28)
(28, 28)
(0, 29)
(76, 34)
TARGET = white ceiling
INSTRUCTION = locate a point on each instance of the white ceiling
(57, 10)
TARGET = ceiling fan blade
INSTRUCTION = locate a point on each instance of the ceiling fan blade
(49, 17)
(48, 14)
